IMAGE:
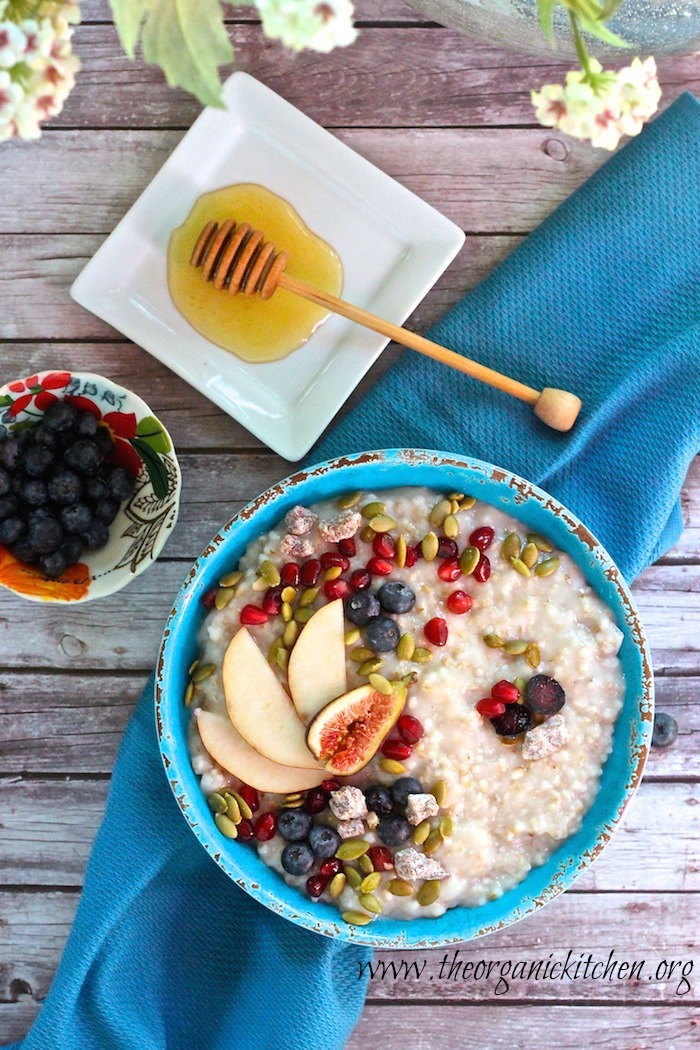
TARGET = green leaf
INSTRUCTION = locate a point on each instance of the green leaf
(152, 431)
(128, 16)
(154, 465)
(546, 10)
(609, 9)
(5, 400)
(602, 32)
(189, 42)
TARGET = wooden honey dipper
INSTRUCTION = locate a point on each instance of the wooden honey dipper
(236, 258)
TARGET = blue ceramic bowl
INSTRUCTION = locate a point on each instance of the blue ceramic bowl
(540, 513)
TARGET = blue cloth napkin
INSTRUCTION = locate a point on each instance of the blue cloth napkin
(603, 299)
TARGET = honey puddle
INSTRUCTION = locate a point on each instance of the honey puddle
(248, 327)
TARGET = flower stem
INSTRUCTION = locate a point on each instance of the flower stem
(581, 50)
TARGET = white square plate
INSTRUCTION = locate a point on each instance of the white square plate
(393, 247)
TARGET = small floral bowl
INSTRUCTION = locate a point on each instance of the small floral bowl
(142, 445)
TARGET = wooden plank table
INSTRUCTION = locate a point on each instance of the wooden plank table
(451, 120)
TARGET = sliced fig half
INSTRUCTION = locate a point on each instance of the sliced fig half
(346, 733)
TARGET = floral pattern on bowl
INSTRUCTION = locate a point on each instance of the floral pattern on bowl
(142, 445)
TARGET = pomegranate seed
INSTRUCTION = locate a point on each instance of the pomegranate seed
(360, 580)
(316, 800)
(329, 786)
(348, 547)
(412, 556)
(436, 630)
(337, 589)
(483, 569)
(382, 858)
(482, 537)
(490, 708)
(459, 602)
(383, 545)
(505, 691)
(310, 572)
(316, 885)
(410, 729)
(396, 749)
(331, 559)
(330, 867)
(250, 795)
(246, 831)
(290, 575)
(209, 597)
(272, 601)
(450, 570)
(265, 827)
(379, 567)
(447, 548)
(252, 616)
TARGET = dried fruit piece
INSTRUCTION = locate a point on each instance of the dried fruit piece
(544, 695)
(516, 719)
(347, 733)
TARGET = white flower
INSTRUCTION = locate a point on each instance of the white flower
(27, 118)
(39, 37)
(12, 45)
(308, 24)
(639, 94)
(10, 97)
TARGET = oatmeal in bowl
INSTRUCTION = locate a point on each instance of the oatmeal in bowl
(404, 698)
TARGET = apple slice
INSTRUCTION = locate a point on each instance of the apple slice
(227, 747)
(259, 708)
(316, 670)
(346, 733)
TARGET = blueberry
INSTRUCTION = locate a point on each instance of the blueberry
(324, 841)
(8, 505)
(36, 460)
(83, 456)
(42, 436)
(76, 519)
(96, 489)
(665, 730)
(393, 829)
(34, 492)
(516, 719)
(104, 442)
(294, 824)
(10, 452)
(106, 510)
(121, 484)
(396, 597)
(378, 799)
(60, 416)
(383, 634)
(544, 695)
(402, 788)
(71, 549)
(11, 529)
(65, 486)
(362, 607)
(52, 565)
(5, 482)
(86, 424)
(96, 536)
(23, 550)
(297, 858)
(45, 534)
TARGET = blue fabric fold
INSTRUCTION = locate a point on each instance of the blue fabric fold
(603, 299)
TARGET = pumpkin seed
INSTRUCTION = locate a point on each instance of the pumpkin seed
(224, 596)
(540, 542)
(455, 495)
(356, 918)
(331, 573)
(420, 833)
(296, 804)
(469, 559)
(337, 885)
(365, 865)
(370, 666)
(367, 534)
(203, 672)
(410, 679)
(428, 893)
(282, 659)
(371, 510)
(440, 512)
(429, 546)
(433, 842)
(245, 809)
(270, 573)
(348, 500)
(291, 632)
(532, 654)
(547, 567)
(516, 647)
(358, 656)
(400, 556)
(293, 796)
(286, 612)
(226, 826)
(520, 566)
(421, 656)
(353, 876)
(216, 802)
(303, 615)
(451, 527)
(382, 523)
(352, 636)
(520, 682)
(351, 849)
(390, 765)
(370, 882)
(370, 903)
(446, 826)
(439, 790)
(231, 579)
(233, 810)
(189, 693)
(406, 647)
(494, 641)
(467, 503)
(193, 667)
(381, 684)
(273, 650)
(288, 594)
(529, 555)
(399, 690)
(454, 506)
(400, 888)
(510, 548)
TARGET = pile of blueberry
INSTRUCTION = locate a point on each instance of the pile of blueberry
(390, 803)
(305, 841)
(365, 609)
(59, 490)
